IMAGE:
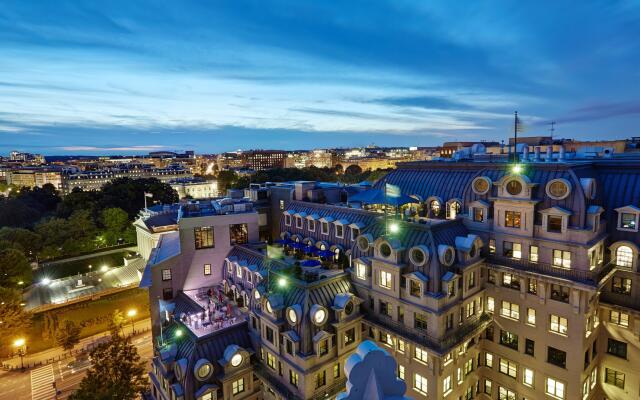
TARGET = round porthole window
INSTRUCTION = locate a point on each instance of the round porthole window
(236, 360)
(293, 317)
(514, 187)
(448, 257)
(348, 309)
(435, 207)
(481, 185)
(419, 255)
(363, 242)
(558, 189)
(203, 369)
(385, 250)
(318, 314)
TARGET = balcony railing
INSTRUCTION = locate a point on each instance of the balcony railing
(441, 345)
(589, 277)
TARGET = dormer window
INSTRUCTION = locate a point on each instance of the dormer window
(435, 207)
(453, 209)
(414, 288)
(298, 222)
(287, 220)
(478, 214)
(312, 225)
(355, 232)
(324, 228)
(629, 221)
(514, 187)
(554, 223)
(361, 271)
(339, 231)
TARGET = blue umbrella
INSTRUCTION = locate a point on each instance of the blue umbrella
(325, 253)
(311, 249)
(297, 245)
(310, 263)
(284, 241)
(377, 196)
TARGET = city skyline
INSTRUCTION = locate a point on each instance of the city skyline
(83, 78)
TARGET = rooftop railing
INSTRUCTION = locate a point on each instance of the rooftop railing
(592, 277)
(439, 344)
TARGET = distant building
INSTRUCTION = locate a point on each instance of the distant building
(35, 177)
(95, 180)
(195, 188)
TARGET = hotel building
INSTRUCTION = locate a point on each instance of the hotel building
(507, 281)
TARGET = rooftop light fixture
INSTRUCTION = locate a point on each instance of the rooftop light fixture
(46, 281)
(104, 268)
(282, 282)
(19, 342)
(394, 227)
(178, 333)
(516, 169)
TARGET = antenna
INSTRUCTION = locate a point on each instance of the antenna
(552, 129)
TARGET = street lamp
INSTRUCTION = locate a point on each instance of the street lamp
(131, 314)
(394, 227)
(21, 345)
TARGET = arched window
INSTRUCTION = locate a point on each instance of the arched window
(624, 257)
(434, 206)
(453, 209)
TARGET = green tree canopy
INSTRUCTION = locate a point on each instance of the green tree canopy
(118, 373)
(15, 320)
(128, 194)
(69, 335)
(21, 239)
(14, 268)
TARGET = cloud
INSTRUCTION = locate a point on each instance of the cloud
(597, 112)
(151, 147)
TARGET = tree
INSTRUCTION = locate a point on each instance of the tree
(117, 373)
(225, 180)
(15, 321)
(353, 170)
(21, 239)
(69, 335)
(128, 194)
(117, 225)
(14, 268)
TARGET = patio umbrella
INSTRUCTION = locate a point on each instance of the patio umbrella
(377, 196)
(297, 245)
(310, 263)
(311, 249)
(325, 253)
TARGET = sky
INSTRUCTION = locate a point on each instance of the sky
(122, 77)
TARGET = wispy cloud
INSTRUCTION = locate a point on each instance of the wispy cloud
(102, 149)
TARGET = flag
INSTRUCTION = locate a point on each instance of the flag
(520, 127)
(148, 194)
(392, 190)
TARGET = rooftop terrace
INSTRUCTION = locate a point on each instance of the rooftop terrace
(207, 310)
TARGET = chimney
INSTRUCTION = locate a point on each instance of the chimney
(561, 154)
(525, 153)
(549, 154)
(536, 157)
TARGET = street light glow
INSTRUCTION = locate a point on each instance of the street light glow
(104, 268)
(178, 333)
(132, 312)
(282, 282)
(46, 281)
(394, 227)
(19, 342)
(517, 168)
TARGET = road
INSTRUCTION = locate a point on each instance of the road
(37, 383)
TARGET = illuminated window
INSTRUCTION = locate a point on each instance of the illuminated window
(527, 376)
(321, 379)
(619, 318)
(385, 279)
(420, 354)
(420, 383)
(512, 219)
(361, 271)
(238, 234)
(237, 386)
(558, 324)
(447, 385)
(271, 361)
(554, 388)
(510, 310)
(531, 316)
(207, 269)
(401, 371)
(561, 258)
(506, 394)
(420, 321)
(478, 214)
(203, 237)
(510, 249)
(166, 274)
(508, 367)
(488, 360)
(533, 254)
(293, 378)
(624, 257)
(435, 208)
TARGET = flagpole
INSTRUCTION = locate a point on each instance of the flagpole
(145, 202)
(515, 138)
(386, 220)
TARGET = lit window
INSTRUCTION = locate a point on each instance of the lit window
(619, 318)
(237, 386)
(510, 310)
(506, 394)
(488, 386)
(447, 385)
(401, 346)
(491, 304)
(203, 237)
(239, 271)
(492, 246)
(533, 254)
(401, 371)
(420, 383)
(207, 269)
(594, 377)
(554, 388)
(511, 281)
(420, 354)
(628, 221)
(512, 219)
(508, 367)
(621, 285)
(361, 271)
(488, 360)
(624, 257)
(435, 207)
(614, 377)
(527, 377)
(271, 361)
(385, 279)
(510, 249)
(321, 379)
(531, 316)
(558, 325)
(420, 321)
(166, 274)
(293, 378)
(561, 258)
(478, 214)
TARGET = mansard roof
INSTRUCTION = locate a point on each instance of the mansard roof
(254, 257)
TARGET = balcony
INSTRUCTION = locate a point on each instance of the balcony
(587, 277)
(441, 345)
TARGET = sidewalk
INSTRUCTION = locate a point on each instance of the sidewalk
(57, 353)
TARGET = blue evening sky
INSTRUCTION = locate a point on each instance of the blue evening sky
(104, 77)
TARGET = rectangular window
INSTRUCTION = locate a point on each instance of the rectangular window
(447, 385)
(289, 347)
(166, 274)
(527, 377)
(203, 237)
(561, 258)
(293, 378)
(401, 371)
(420, 321)
(529, 347)
(506, 394)
(298, 222)
(414, 288)
(281, 205)
(532, 286)
(533, 254)
(321, 379)
(167, 294)
(511, 281)
(420, 383)
(339, 231)
(385, 308)
(491, 304)
(349, 336)
(594, 377)
(488, 360)
(511, 249)
(509, 339)
(492, 246)
(621, 285)
(628, 221)
(324, 228)
(361, 271)
(471, 280)
(491, 276)
(238, 234)
(617, 348)
(531, 316)
(355, 232)
(401, 346)
(614, 377)
(619, 318)
(554, 388)
(488, 387)
(556, 357)
(287, 220)
(271, 361)
(478, 214)
(508, 367)
(385, 279)
(237, 386)
(554, 223)
(512, 219)
(420, 354)
(470, 309)
(468, 367)
(323, 347)
(386, 338)
(207, 269)
(311, 225)
(510, 310)
(269, 333)
(336, 370)
(558, 325)
(560, 293)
